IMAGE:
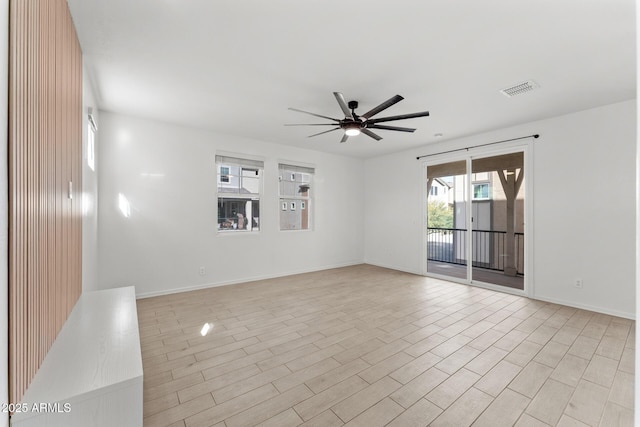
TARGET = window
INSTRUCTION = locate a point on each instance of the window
(239, 189)
(481, 191)
(296, 183)
(224, 174)
(434, 191)
(91, 144)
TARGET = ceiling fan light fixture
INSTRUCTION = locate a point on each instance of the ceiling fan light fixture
(352, 131)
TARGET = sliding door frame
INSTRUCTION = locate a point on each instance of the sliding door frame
(524, 146)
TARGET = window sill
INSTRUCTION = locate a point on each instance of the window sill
(237, 232)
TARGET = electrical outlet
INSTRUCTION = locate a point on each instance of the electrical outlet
(578, 284)
(202, 271)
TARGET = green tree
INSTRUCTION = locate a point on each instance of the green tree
(439, 215)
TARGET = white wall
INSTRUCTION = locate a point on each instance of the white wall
(172, 230)
(89, 194)
(581, 162)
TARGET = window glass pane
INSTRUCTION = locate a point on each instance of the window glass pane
(224, 174)
(480, 191)
(239, 180)
(91, 149)
(295, 187)
(238, 214)
(250, 182)
(239, 189)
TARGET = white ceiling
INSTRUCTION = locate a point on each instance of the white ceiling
(235, 66)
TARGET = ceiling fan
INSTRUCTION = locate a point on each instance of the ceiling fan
(354, 124)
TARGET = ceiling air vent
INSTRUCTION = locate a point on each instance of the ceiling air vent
(520, 88)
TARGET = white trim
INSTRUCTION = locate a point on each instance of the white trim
(436, 159)
(236, 232)
(468, 205)
(588, 307)
(495, 288)
(511, 291)
(239, 156)
(240, 162)
(245, 280)
(423, 215)
(296, 168)
(529, 279)
(295, 163)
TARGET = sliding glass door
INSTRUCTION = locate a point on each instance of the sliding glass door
(476, 211)
(446, 219)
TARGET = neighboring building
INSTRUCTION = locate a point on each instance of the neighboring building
(295, 184)
(441, 191)
(488, 203)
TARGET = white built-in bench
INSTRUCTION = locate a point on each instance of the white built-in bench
(92, 375)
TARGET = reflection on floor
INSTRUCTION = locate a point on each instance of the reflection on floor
(479, 274)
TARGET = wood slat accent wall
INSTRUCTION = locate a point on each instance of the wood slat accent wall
(45, 154)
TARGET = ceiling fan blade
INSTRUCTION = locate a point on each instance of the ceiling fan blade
(374, 126)
(320, 133)
(343, 105)
(314, 114)
(344, 138)
(310, 124)
(400, 117)
(371, 134)
(386, 104)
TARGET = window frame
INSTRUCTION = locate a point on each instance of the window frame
(298, 205)
(91, 144)
(224, 176)
(241, 162)
(473, 190)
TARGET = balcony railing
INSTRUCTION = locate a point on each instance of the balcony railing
(488, 248)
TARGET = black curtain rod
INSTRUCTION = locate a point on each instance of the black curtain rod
(481, 145)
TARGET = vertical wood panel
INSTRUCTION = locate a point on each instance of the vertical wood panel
(45, 137)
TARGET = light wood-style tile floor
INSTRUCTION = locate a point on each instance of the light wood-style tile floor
(367, 346)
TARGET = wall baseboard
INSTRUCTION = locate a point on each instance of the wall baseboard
(600, 310)
(244, 280)
(352, 263)
(595, 309)
(391, 267)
